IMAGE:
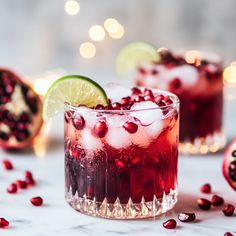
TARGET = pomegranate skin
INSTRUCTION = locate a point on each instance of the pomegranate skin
(24, 107)
(229, 165)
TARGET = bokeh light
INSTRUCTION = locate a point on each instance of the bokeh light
(72, 7)
(229, 75)
(97, 33)
(162, 49)
(87, 50)
(193, 57)
(41, 86)
(111, 25)
(117, 34)
(233, 63)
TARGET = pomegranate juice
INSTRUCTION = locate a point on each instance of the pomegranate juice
(121, 160)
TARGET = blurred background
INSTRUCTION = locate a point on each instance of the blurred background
(36, 36)
(79, 36)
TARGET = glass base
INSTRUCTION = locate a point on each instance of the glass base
(209, 144)
(123, 211)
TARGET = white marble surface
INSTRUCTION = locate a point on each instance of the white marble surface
(57, 218)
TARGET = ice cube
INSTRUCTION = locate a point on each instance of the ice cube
(118, 137)
(186, 73)
(116, 120)
(147, 117)
(90, 142)
(155, 128)
(115, 91)
(141, 137)
(89, 115)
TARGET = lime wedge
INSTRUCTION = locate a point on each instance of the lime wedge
(133, 55)
(74, 89)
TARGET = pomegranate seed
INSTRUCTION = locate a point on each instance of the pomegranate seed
(139, 99)
(99, 107)
(25, 118)
(125, 101)
(142, 70)
(4, 136)
(187, 217)
(100, 129)
(161, 104)
(7, 165)
(12, 188)
(130, 127)
(135, 161)
(204, 204)
(147, 92)
(228, 210)
(170, 224)
(135, 91)
(228, 234)
(28, 174)
(79, 122)
(116, 106)
(36, 201)
(9, 88)
(29, 181)
(217, 200)
(120, 164)
(168, 101)
(159, 98)
(176, 83)
(4, 223)
(154, 72)
(21, 184)
(149, 98)
(206, 188)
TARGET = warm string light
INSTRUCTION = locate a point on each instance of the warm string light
(97, 33)
(87, 50)
(111, 25)
(229, 74)
(72, 7)
(41, 86)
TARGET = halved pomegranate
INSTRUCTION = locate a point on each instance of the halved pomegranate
(229, 165)
(20, 111)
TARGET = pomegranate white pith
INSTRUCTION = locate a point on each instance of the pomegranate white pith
(20, 112)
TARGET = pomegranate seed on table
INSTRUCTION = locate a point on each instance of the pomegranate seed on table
(100, 129)
(204, 204)
(228, 234)
(29, 181)
(170, 224)
(12, 188)
(4, 223)
(21, 184)
(36, 201)
(186, 217)
(28, 174)
(206, 188)
(217, 200)
(7, 165)
(228, 210)
(130, 127)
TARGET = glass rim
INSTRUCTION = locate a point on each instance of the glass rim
(173, 105)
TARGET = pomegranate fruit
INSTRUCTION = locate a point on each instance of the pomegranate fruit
(229, 165)
(20, 112)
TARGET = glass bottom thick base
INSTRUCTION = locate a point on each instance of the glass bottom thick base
(210, 144)
(123, 211)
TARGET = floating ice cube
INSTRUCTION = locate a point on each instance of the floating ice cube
(155, 128)
(147, 117)
(115, 91)
(141, 137)
(186, 73)
(89, 142)
(89, 116)
(118, 137)
(116, 120)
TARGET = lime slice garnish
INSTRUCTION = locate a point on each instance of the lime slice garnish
(74, 89)
(133, 55)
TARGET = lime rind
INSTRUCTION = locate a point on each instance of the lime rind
(133, 55)
(74, 89)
